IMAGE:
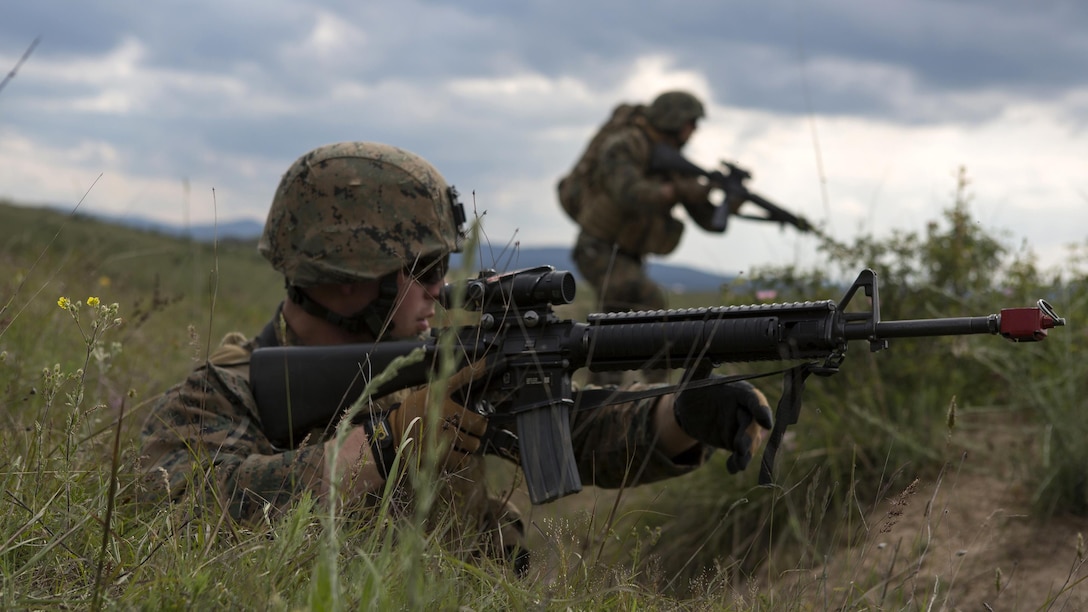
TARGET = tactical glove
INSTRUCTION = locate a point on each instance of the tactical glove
(690, 191)
(732, 416)
(457, 429)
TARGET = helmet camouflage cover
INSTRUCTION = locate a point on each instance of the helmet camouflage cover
(354, 211)
(671, 110)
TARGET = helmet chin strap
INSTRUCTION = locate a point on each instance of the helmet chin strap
(372, 318)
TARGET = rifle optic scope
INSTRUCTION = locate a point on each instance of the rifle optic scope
(520, 289)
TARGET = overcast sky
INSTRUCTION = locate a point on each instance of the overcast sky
(854, 113)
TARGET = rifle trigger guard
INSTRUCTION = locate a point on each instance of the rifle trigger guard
(502, 443)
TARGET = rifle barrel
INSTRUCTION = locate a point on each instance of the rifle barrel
(952, 326)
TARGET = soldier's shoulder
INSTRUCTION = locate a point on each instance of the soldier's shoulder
(624, 134)
(219, 384)
(627, 140)
(225, 370)
(233, 350)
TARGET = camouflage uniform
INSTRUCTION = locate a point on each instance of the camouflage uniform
(621, 211)
(204, 437)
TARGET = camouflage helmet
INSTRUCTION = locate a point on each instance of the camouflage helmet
(670, 111)
(354, 211)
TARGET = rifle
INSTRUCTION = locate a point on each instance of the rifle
(531, 354)
(665, 158)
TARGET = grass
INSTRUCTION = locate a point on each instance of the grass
(75, 394)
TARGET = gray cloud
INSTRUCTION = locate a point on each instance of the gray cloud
(502, 95)
(756, 55)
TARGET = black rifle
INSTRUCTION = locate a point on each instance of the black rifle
(531, 354)
(665, 158)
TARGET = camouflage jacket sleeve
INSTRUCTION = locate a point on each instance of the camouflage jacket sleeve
(617, 445)
(622, 173)
(203, 438)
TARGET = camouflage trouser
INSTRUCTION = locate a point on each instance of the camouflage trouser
(619, 279)
(621, 284)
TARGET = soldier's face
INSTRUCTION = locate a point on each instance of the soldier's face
(415, 305)
(686, 132)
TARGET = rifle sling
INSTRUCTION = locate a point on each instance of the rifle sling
(502, 442)
(594, 398)
(788, 412)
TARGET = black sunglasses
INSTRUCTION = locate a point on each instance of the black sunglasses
(428, 269)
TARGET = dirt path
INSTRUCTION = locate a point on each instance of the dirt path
(965, 541)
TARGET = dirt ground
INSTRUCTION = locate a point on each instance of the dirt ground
(965, 541)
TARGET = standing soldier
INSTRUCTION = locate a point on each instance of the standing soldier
(624, 209)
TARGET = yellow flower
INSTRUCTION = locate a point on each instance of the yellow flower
(104, 281)
(93, 301)
(64, 302)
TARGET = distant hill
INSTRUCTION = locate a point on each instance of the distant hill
(675, 278)
(238, 229)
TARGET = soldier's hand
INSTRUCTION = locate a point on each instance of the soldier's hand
(734, 416)
(456, 429)
(690, 190)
